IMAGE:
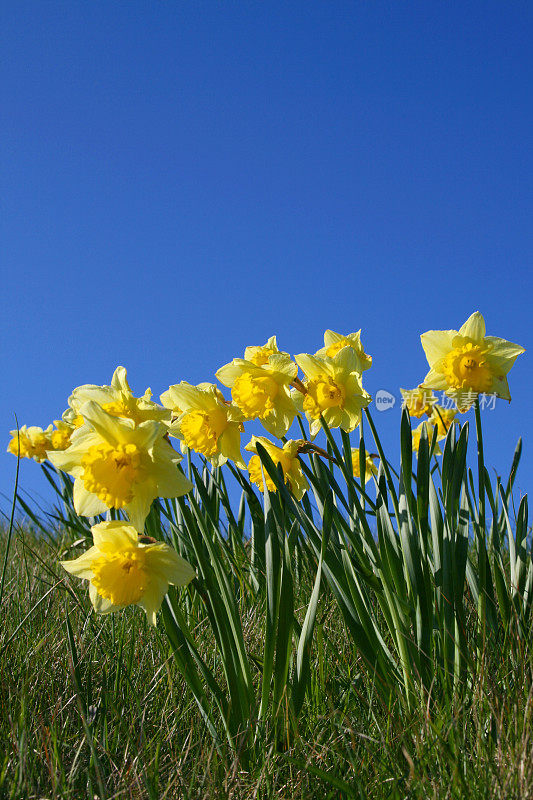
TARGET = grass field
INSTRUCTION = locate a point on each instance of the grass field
(121, 716)
(102, 706)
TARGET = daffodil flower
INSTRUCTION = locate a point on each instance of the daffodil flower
(206, 422)
(259, 354)
(125, 569)
(117, 464)
(443, 418)
(466, 363)
(60, 437)
(333, 389)
(262, 392)
(287, 456)
(118, 400)
(419, 401)
(32, 442)
(417, 434)
(370, 467)
(333, 342)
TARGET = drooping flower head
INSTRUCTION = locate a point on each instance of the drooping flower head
(206, 422)
(125, 569)
(287, 456)
(417, 434)
(259, 354)
(262, 391)
(117, 400)
(333, 390)
(418, 401)
(466, 363)
(333, 342)
(370, 467)
(117, 464)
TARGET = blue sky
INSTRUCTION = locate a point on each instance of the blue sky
(182, 179)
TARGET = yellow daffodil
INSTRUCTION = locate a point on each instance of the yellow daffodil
(206, 422)
(287, 456)
(443, 418)
(333, 342)
(117, 464)
(370, 467)
(262, 391)
(418, 401)
(126, 569)
(60, 437)
(118, 400)
(466, 363)
(31, 442)
(417, 433)
(258, 354)
(333, 389)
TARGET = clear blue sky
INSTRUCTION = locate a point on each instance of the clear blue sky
(181, 179)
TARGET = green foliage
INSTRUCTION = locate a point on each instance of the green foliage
(360, 642)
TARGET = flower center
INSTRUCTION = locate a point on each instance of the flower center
(322, 393)
(255, 395)
(121, 577)
(110, 472)
(201, 430)
(466, 368)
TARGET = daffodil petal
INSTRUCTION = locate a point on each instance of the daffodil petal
(228, 374)
(230, 445)
(81, 566)
(139, 508)
(503, 354)
(435, 380)
(474, 327)
(100, 604)
(437, 344)
(86, 503)
(114, 536)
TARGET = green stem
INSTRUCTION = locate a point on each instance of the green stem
(482, 554)
(12, 518)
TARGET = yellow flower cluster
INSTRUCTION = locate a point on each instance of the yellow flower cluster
(116, 446)
(118, 449)
(34, 442)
